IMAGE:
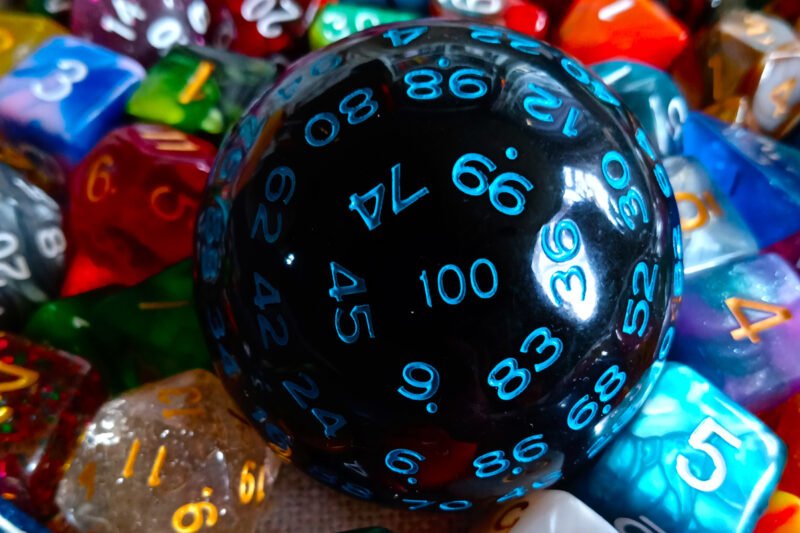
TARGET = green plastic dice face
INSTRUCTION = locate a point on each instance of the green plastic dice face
(133, 335)
(199, 89)
(337, 21)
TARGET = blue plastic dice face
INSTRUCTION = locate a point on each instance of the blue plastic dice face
(436, 264)
(760, 176)
(691, 461)
(653, 97)
(63, 98)
(12, 520)
(713, 231)
(740, 328)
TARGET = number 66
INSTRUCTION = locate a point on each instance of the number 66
(699, 441)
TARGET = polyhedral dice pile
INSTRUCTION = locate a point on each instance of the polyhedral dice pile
(533, 262)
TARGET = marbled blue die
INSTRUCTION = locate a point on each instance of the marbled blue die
(760, 175)
(653, 98)
(691, 461)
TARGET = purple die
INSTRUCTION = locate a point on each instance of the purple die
(739, 327)
(142, 29)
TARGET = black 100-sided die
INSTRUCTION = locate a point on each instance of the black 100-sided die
(439, 263)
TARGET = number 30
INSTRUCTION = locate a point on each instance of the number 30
(699, 441)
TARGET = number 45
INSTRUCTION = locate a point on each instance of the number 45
(699, 441)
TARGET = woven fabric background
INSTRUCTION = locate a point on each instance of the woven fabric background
(302, 505)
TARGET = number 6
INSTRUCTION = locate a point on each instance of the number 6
(698, 440)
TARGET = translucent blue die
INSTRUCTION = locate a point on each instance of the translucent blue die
(691, 461)
(713, 231)
(63, 98)
(760, 175)
(653, 97)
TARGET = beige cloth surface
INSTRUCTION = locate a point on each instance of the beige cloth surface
(300, 504)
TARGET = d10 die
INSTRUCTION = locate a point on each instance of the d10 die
(170, 456)
(133, 205)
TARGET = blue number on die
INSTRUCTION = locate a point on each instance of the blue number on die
(549, 342)
(542, 98)
(640, 308)
(265, 293)
(618, 180)
(423, 84)
(666, 343)
(497, 188)
(509, 367)
(491, 36)
(284, 178)
(326, 64)
(331, 422)
(490, 464)
(468, 88)
(357, 107)
(428, 387)
(511, 375)
(527, 450)
(455, 505)
(632, 204)
(357, 490)
(583, 412)
(357, 285)
(659, 170)
(361, 111)
(574, 69)
(402, 37)
(399, 204)
(566, 277)
(403, 461)
(561, 250)
(462, 287)
(301, 393)
(677, 250)
(465, 83)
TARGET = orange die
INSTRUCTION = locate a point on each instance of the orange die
(597, 30)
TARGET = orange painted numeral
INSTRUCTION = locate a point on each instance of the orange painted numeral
(170, 140)
(195, 512)
(6, 40)
(702, 207)
(154, 479)
(99, 173)
(199, 77)
(86, 479)
(751, 330)
(250, 485)
(715, 64)
(190, 395)
(780, 97)
(25, 377)
(183, 206)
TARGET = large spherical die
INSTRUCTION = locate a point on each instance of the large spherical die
(438, 264)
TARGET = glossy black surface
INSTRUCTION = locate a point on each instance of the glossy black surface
(294, 375)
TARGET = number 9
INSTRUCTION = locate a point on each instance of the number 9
(429, 386)
(561, 250)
